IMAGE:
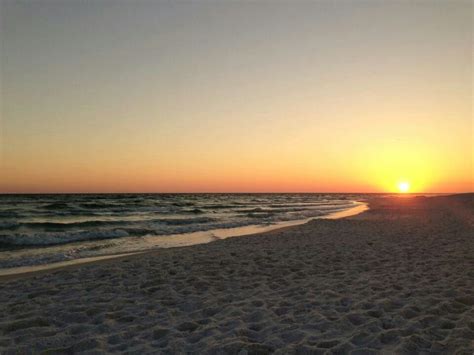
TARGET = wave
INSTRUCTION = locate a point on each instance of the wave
(50, 220)
(158, 227)
(194, 211)
(217, 207)
(9, 214)
(43, 239)
(259, 214)
(183, 221)
(97, 205)
(9, 225)
(183, 204)
(272, 210)
(57, 206)
(70, 225)
(51, 226)
(55, 238)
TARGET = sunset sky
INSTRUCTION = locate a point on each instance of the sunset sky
(218, 96)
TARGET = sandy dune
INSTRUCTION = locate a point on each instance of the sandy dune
(396, 279)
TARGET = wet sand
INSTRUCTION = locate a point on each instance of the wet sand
(396, 279)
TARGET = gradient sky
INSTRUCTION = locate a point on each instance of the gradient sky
(170, 96)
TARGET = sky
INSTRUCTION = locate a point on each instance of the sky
(236, 96)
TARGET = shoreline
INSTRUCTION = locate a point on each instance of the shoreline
(176, 241)
(395, 279)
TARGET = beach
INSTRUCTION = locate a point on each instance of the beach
(397, 278)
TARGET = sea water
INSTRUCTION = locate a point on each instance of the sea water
(39, 229)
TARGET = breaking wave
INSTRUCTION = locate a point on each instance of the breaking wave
(28, 222)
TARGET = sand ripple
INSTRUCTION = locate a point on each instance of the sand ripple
(391, 281)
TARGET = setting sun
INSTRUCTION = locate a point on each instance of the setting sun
(403, 186)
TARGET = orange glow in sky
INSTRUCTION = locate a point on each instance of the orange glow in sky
(316, 96)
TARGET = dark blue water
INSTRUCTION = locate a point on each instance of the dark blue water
(36, 222)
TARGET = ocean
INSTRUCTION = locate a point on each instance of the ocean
(41, 229)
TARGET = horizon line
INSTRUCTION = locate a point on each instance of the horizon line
(228, 192)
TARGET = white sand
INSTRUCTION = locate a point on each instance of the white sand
(399, 278)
